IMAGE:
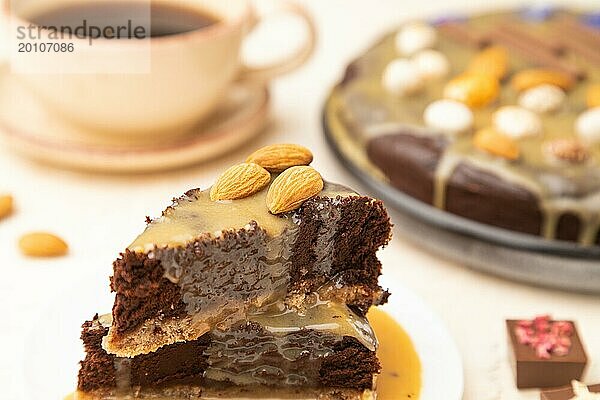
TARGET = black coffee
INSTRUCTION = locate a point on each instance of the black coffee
(123, 17)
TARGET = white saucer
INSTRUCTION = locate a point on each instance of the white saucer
(34, 131)
(53, 348)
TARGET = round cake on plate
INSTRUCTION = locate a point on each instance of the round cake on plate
(494, 118)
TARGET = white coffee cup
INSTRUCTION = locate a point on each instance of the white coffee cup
(189, 71)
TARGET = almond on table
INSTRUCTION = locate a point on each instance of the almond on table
(6, 205)
(42, 244)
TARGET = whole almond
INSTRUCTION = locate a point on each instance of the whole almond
(279, 157)
(492, 60)
(42, 244)
(493, 142)
(529, 78)
(6, 205)
(239, 181)
(292, 188)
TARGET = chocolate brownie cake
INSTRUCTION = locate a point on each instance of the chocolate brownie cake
(495, 118)
(263, 280)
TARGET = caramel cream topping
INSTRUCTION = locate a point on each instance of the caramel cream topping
(196, 214)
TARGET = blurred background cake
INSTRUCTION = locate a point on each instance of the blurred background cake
(495, 118)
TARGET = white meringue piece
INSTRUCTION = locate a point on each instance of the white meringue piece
(449, 116)
(587, 126)
(415, 36)
(432, 64)
(517, 122)
(542, 99)
(401, 77)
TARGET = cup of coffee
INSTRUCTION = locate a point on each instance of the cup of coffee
(151, 79)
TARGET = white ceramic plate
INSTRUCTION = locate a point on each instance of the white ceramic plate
(53, 348)
(441, 364)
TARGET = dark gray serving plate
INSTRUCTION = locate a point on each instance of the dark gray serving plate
(513, 255)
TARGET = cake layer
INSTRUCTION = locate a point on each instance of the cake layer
(206, 264)
(472, 192)
(286, 351)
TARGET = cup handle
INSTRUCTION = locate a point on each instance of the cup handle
(264, 74)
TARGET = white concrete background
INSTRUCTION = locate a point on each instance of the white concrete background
(99, 215)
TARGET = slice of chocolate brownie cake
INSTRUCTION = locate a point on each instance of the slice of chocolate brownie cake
(255, 288)
(255, 239)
